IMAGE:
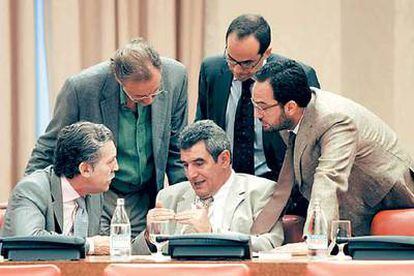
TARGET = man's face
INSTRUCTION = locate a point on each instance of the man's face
(243, 56)
(267, 109)
(205, 175)
(143, 92)
(103, 171)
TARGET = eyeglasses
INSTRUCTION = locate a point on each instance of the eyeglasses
(260, 108)
(247, 64)
(142, 98)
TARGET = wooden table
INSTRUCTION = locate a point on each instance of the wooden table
(94, 265)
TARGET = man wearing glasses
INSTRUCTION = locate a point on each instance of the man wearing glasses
(142, 98)
(225, 84)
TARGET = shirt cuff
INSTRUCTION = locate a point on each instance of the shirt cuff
(91, 246)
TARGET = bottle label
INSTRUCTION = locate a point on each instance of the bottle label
(317, 242)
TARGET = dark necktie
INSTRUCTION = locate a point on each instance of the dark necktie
(243, 142)
(80, 225)
(274, 207)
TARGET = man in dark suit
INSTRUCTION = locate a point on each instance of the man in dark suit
(225, 92)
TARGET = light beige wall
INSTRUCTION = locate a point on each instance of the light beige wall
(362, 49)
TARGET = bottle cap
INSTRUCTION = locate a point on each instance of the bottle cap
(120, 201)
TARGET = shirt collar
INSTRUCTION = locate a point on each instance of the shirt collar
(68, 193)
(296, 129)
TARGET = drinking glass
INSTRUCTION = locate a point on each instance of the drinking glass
(340, 229)
(156, 229)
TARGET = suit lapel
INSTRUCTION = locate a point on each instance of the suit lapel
(57, 200)
(110, 105)
(235, 196)
(302, 138)
(220, 99)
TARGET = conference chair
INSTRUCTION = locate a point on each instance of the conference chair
(393, 222)
(360, 268)
(177, 269)
(29, 270)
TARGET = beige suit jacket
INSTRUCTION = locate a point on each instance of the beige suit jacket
(349, 158)
(247, 196)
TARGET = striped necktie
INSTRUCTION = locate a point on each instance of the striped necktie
(80, 225)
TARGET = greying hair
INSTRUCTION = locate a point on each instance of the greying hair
(131, 63)
(77, 143)
(214, 137)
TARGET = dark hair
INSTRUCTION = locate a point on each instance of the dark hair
(214, 137)
(132, 61)
(288, 81)
(247, 24)
(77, 143)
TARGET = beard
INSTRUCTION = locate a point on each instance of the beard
(285, 123)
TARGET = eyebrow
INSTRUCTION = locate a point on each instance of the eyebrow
(247, 60)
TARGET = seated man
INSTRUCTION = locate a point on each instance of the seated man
(66, 198)
(234, 200)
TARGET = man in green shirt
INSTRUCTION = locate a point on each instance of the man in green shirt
(142, 98)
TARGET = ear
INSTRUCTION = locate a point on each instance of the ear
(224, 158)
(291, 108)
(85, 169)
(268, 52)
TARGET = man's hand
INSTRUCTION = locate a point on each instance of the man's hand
(299, 248)
(159, 213)
(101, 245)
(196, 219)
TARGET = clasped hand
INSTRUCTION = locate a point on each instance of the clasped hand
(195, 218)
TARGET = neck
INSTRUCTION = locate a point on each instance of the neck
(78, 185)
(297, 117)
(225, 176)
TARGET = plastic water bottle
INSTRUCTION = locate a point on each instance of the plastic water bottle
(317, 239)
(120, 237)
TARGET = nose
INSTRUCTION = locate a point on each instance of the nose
(116, 167)
(192, 172)
(258, 114)
(237, 69)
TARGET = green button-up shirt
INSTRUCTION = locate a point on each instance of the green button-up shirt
(135, 156)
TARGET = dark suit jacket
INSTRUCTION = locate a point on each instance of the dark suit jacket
(213, 93)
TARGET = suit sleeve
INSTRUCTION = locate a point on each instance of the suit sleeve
(179, 120)
(338, 144)
(201, 112)
(65, 113)
(275, 236)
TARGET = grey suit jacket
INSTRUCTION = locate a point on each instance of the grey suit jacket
(349, 158)
(214, 85)
(93, 95)
(35, 207)
(247, 197)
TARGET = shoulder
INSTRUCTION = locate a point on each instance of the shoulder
(255, 184)
(213, 64)
(172, 65)
(34, 185)
(94, 74)
(175, 190)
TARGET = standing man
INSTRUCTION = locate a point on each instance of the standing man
(224, 97)
(142, 98)
(343, 154)
(224, 201)
(66, 198)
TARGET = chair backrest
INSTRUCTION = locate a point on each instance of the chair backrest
(360, 268)
(29, 270)
(393, 222)
(293, 228)
(177, 269)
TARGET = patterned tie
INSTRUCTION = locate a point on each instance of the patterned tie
(243, 146)
(274, 207)
(80, 225)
